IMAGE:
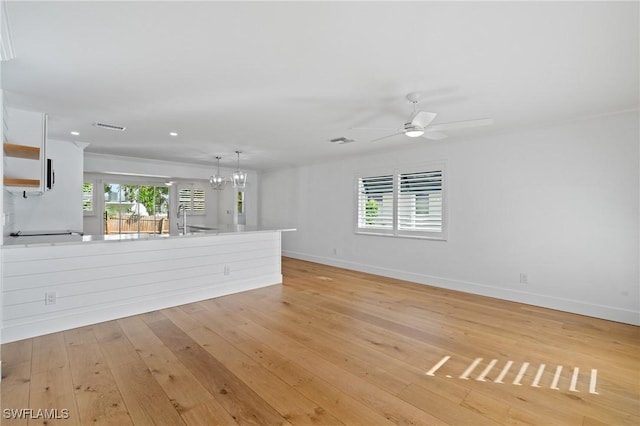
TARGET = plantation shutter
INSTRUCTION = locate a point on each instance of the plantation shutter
(198, 200)
(375, 203)
(87, 197)
(420, 202)
(193, 199)
(184, 198)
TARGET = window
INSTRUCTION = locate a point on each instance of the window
(375, 203)
(193, 199)
(406, 203)
(136, 209)
(240, 202)
(87, 198)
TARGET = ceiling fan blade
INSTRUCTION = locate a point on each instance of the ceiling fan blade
(423, 118)
(388, 136)
(374, 128)
(462, 124)
(434, 136)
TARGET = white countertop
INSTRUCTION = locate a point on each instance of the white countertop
(54, 240)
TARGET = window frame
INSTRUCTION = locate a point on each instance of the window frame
(396, 173)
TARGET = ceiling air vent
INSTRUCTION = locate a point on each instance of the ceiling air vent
(109, 126)
(341, 140)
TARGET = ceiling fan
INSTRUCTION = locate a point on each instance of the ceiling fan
(419, 124)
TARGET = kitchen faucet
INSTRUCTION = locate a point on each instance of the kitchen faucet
(184, 218)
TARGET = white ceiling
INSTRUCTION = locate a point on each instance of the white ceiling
(278, 80)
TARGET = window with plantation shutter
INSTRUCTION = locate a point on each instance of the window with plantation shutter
(87, 198)
(184, 197)
(420, 202)
(406, 203)
(198, 200)
(193, 199)
(375, 203)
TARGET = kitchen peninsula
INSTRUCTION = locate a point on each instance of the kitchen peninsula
(54, 284)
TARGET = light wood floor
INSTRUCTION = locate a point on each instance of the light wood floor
(332, 346)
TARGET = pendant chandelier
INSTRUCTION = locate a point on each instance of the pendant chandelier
(218, 181)
(239, 178)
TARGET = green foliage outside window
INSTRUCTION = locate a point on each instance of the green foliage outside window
(87, 197)
(372, 209)
(153, 198)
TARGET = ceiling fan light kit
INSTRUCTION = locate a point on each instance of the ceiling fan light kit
(412, 130)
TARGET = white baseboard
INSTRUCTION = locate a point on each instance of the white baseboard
(612, 313)
(79, 318)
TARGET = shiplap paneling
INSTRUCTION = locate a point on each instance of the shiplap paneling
(101, 281)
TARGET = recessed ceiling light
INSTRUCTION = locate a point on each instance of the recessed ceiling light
(173, 134)
(75, 133)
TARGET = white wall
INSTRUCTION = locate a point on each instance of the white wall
(116, 168)
(558, 203)
(59, 208)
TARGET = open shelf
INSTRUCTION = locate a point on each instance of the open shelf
(31, 183)
(21, 151)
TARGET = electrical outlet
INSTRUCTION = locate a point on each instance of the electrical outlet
(335, 251)
(227, 270)
(50, 298)
(524, 278)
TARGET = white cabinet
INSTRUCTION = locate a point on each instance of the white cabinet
(25, 161)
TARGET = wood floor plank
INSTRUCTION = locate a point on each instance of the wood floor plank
(97, 396)
(52, 390)
(15, 353)
(16, 385)
(49, 352)
(16, 379)
(210, 412)
(146, 402)
(51, 387)
(114, 344)
(180, 318)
